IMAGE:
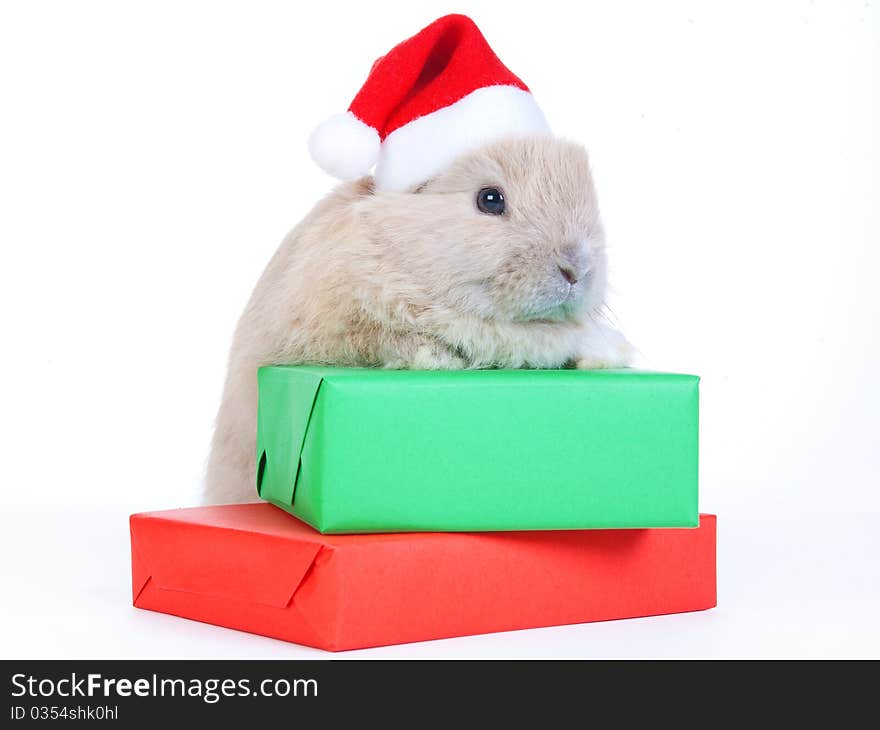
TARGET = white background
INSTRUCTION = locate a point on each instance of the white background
(153, 155)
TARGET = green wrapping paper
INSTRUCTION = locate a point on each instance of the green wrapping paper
(359, 450)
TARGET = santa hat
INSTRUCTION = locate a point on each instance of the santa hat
(440, 94)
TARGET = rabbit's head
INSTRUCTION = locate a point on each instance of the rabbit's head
(511, 232)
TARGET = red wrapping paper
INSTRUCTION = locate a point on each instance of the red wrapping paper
(256, 568)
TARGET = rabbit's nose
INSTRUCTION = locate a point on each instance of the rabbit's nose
(568, 273)
(573, 263)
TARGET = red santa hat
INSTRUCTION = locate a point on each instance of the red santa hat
(436, 96)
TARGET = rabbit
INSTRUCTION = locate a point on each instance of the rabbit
(497, 262)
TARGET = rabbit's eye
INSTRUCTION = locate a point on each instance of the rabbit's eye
(491, 201)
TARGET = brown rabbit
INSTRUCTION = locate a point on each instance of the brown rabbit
(498, 261)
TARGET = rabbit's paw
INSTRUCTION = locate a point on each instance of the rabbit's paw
(426, 355)
(604, 347)
(429, 357)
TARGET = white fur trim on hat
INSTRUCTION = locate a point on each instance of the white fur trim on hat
(344, 146)
(421, 149)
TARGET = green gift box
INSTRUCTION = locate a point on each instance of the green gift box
(364, 450)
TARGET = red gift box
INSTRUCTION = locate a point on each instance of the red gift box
(256, 568)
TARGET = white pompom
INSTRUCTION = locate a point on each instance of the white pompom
(344, 146)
